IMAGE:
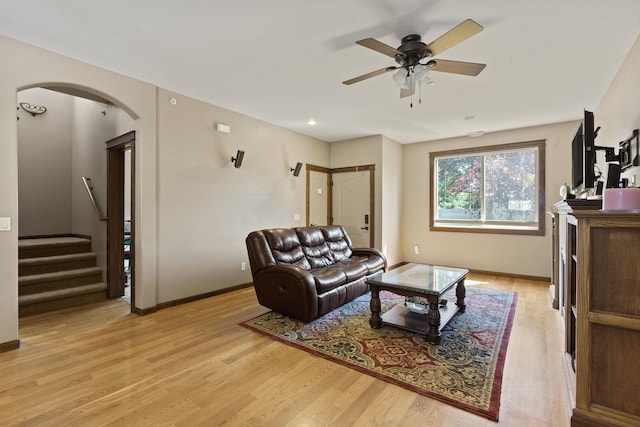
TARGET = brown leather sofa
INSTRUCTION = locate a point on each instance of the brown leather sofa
(306, 272)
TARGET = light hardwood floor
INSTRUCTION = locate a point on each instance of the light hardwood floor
(193, 365)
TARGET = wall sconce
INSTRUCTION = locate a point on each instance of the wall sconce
(33, 109)
(297, 169)
(237, 160)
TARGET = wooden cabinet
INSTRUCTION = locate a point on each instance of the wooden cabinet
(602, 316)
(561, 213)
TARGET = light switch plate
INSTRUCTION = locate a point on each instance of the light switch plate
(5, 223)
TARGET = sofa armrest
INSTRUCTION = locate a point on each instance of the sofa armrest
(289, 290)
(370, 253)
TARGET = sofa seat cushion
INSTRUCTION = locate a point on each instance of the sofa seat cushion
(373, 263)
(354, 270)
(328, 278)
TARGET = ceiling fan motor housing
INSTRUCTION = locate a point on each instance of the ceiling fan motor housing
(413, 50)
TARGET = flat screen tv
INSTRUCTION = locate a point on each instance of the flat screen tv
(583, 155)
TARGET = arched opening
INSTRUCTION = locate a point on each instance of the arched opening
(63, 189)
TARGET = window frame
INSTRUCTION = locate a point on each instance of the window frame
(494, 228)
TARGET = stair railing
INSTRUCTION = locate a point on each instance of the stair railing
(89, 187)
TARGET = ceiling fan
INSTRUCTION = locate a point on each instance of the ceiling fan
(415, 57)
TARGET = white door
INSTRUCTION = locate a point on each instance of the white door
(317, 198)
(351, 205)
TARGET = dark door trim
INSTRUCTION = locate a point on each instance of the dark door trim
(320, 169)
(330, 172)
(116, 148)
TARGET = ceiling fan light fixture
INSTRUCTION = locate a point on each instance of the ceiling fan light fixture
(400, 77)
(422, 73)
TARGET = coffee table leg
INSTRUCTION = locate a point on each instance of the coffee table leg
(461, 291)
(375, 321)
(433, 318)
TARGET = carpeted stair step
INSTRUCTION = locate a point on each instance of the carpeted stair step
(52, 246)
(52, 264)
(61, 298)
(57, 272)
(46, 282)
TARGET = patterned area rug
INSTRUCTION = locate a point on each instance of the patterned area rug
(465, 370)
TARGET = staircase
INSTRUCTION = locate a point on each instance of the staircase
(56, 273)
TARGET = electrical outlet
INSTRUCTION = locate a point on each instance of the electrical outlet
(243, 266)
(416, 249)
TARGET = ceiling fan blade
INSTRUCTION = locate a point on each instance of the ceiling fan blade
(404, 92)
(456, 67)
(380, 47)
(368, 75)
(457, 34)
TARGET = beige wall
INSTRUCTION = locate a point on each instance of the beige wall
(44, 169)
(527, 255)
(619, 112)
(206, 207)
(391, 202)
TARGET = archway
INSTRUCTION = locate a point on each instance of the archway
(75, 127)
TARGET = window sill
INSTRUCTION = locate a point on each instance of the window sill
(489, 229)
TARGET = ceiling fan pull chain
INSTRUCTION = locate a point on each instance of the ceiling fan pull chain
(412, 86)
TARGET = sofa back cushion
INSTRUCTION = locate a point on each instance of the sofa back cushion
(338, 241)
(314, 246)
(285, 247)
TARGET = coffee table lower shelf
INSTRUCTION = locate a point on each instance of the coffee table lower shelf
(401, 317)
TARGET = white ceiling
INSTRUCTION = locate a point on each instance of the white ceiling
(283, 61)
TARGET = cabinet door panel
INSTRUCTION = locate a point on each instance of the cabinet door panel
(615, 373)
(615, 271)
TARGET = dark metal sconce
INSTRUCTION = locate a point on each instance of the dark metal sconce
(297, 169)
(237, 160)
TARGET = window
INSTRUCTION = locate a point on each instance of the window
(497, 189)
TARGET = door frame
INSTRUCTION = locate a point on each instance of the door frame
(116, 148)
(330, 172)
(320, 169)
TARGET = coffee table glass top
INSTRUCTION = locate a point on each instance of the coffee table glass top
(423, 278)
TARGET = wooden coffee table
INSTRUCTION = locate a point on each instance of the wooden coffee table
(418, 280)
